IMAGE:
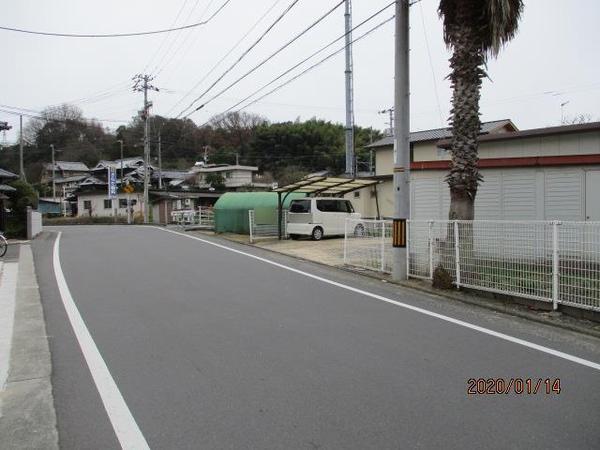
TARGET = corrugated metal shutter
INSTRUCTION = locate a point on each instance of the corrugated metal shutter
(519, 195)
(563, 198)
(488, 204)
(426, 196)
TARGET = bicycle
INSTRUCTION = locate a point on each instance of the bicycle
(3, 245)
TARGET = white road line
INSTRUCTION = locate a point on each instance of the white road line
(505, 337)
(8, 292)
(125, 426)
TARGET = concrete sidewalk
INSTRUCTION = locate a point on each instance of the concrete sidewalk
(27, 416)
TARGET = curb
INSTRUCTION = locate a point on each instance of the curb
(28, 414)
(493, 305)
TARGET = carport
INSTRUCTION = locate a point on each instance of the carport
(319, 185)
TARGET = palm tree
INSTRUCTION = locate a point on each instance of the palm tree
(475, 30)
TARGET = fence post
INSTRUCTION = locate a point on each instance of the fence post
(430, 241)
(383, 245)
(250, 223)
(345, 239)
(555, 266)
(457, 254)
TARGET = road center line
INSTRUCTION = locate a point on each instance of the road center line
(125, 426)
(505, 337)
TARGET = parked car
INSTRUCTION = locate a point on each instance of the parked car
(320, 216)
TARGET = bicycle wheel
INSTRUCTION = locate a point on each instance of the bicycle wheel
(3, 246)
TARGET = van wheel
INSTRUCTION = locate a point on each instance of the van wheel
(359, 230)
(317, 234)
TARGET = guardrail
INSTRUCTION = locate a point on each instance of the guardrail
(550, 261)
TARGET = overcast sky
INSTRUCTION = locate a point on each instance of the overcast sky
(553, 60)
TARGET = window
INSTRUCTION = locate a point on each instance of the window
(300, 206)
(356, 194)
(347, 205)
(108, 203)
(228, 174)
(342, 206)
(122, 203)
(87, 204)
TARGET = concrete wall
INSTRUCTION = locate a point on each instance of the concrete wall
(34, 223)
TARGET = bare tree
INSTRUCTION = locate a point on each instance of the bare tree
(238, 125)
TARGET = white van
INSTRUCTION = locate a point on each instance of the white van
(318, 217)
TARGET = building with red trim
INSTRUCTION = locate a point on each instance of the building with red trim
(548, 173)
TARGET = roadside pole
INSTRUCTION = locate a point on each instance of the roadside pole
(21, 167)
(401, 142)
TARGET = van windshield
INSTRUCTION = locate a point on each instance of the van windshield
(300, 206)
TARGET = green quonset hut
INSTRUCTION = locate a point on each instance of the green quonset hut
(231, 210)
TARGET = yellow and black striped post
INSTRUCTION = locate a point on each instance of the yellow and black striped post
(399, 233)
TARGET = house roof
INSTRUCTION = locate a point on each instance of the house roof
(171, 174)
(535, 132)
(73, 166)
(7, 174)
(6, 188)
(70, 179)
(91, 181)
(223, 168)
(128, 163)
(442, 133)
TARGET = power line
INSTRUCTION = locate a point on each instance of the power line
(435, 89)
(242, 56)
(331, 55)
(116, 35)
(166, 38)
(33, 114)
(157, 69)
(371, 17)
(235, 46)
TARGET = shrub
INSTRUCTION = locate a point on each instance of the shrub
(24, 196)
(441, 278)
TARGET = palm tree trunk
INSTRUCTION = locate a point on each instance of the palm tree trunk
(467, 71)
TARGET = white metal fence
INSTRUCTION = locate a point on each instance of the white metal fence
(558, 262)
(202, 217)
(368, 244)
(265, 224)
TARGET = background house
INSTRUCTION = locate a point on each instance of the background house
(233, 176)
(539, 174)
(63, 169)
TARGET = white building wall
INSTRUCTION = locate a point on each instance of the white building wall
(97, 205)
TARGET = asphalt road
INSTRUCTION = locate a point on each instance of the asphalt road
(214, 349)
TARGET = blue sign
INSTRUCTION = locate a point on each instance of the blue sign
(112, 183)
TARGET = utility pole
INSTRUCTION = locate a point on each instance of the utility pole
(142, 84)
(53, 174)
(401, 142)
(120, 141)
(159, 162)
(389, 111)
(21, 167)
(350, 159)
